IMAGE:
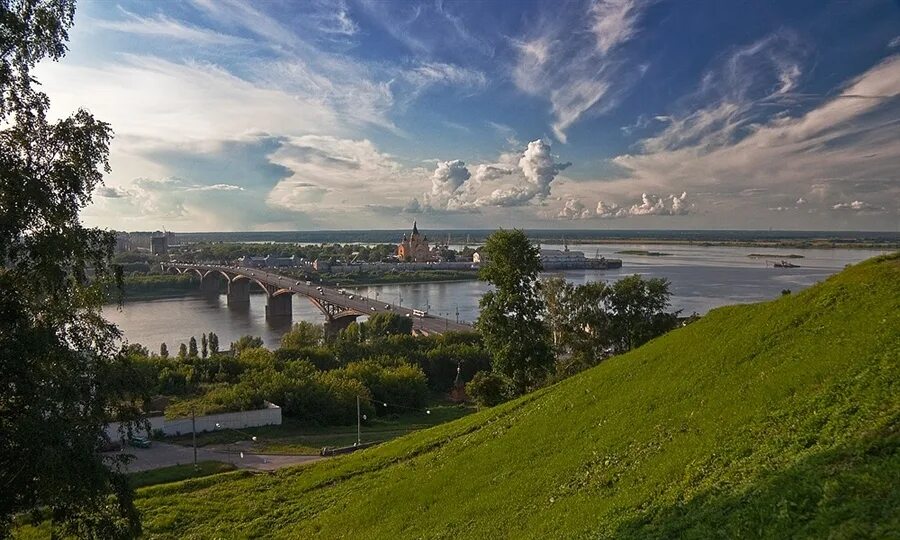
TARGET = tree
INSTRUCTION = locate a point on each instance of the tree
(486, 388)
(246, 342)
(213, 343)
(382, 325)
(204, 346)
(192, 347)
(556, 293)
(56, 350)
(302, 334)
(182, 351)
(586, 337)
(638, 311)
(511, 315)
(163, 350)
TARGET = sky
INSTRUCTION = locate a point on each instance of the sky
(602, 114)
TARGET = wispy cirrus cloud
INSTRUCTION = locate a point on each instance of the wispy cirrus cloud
(730, 141)
(162, 26)
(576, 62)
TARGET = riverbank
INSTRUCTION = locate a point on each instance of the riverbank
(773, 244)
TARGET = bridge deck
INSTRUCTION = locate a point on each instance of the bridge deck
(360, 304)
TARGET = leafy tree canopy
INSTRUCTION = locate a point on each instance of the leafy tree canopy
(511, 320)
(57, 354)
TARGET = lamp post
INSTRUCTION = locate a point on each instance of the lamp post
(194, 436)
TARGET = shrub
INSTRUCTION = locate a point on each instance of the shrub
(487, 388)
(389, 381)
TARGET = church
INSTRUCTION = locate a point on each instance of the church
(415, 248)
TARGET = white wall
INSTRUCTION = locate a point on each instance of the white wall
(270, 416)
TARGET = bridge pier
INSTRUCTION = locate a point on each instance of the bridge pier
(334, 326)
(209, 284)
(239, 293)
(279, 306)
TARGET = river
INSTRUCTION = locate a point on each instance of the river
(702, 278)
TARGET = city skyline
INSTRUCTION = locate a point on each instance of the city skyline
(627, 114)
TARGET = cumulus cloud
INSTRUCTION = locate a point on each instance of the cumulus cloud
(650, 205)
(576, 63)
(526, 178)
(111, 192)
(538, 170)
(857, 206)
(574, 209)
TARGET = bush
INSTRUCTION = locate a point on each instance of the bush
(321, 357)
(389, 380)
(487, 388)
(440, 365)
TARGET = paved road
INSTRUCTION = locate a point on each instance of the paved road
(360, 304)
(161, 455)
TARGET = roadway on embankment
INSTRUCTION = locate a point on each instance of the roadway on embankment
(161, 455)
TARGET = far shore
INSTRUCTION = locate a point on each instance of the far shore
(778, 244)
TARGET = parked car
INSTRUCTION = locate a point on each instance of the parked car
(139, 442)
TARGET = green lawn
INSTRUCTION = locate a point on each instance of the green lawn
(177, 473)
(293, 437)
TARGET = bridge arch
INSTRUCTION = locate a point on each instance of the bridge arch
(262, 285)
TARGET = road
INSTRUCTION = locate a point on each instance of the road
(162, 454)
(360, 304)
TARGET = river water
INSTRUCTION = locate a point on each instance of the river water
(702, 278)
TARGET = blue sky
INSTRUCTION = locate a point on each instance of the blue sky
(592, 114)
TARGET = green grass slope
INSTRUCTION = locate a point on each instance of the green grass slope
(772, 420)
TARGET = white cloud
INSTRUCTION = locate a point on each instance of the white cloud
(574, 209)
(729, 143)
(331, 172)
(429, 73)
(111, 192)
(559, 62)
(650, 205)
(161, 100)
(448, 177)
(857, 206)
(165, 27)
(538, 170)
(614, 22)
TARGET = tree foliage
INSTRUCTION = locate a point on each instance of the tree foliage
(302, 334)
(592, 321)
(511, 320)
(57, 353)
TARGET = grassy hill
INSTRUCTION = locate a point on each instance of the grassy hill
(776, 420)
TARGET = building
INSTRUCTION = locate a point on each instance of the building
(269, 261)
(555, 259)
(159, 245)
(415, 248)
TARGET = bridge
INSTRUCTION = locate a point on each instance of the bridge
(339, 309)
